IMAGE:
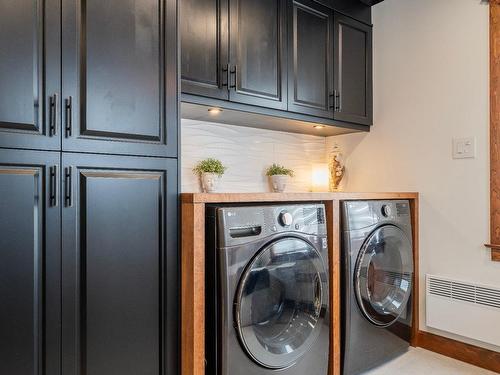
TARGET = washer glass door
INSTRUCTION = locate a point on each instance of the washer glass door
(281, 302)
(383, 275)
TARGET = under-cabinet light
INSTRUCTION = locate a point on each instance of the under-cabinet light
(214, 111)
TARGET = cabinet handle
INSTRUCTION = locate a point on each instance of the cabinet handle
(234, 73)
(336, 101)
(68, 187)
(53, 186)
(225, 70)
(53, 115)
(68, 106)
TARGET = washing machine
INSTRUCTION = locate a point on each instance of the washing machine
(267, 297)
(377, 282)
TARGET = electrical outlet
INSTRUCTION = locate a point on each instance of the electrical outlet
(464, 148)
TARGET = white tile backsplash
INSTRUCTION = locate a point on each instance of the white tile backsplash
(247, 152)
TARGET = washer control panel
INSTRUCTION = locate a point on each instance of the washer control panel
(247, 223)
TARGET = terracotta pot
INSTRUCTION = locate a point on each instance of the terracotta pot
(209, 182)
(278, 182)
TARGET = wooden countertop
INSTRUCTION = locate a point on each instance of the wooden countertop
(289, 197)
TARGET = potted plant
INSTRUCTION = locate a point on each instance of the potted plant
(278, 177)
(210, 171)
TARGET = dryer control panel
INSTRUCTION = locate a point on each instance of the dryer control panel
(242, 224)
(363, 214)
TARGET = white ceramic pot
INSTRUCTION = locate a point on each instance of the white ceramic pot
(279, 182)
(209, 182)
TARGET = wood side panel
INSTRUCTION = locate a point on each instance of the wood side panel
(334, 244)
(193, 289)
(495, 125)
(414, 205)
(474, 355)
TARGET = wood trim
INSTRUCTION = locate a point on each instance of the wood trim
(495, 126)
(193, 289)
(495, 250)
(495, 255)
(334, 244)
(289, 197)
(472, 354)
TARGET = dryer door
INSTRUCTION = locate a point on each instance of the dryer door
(281, 302)
(383, 275)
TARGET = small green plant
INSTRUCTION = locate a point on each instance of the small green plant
(210, 165)
(277, 169)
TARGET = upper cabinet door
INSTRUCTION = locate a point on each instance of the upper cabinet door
(30, 74)
(203, 28)
(257, 68)
(353, 71)
(310, 69)
(30, 270)
(119, 76)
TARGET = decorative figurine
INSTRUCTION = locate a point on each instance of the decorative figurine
(337, 168)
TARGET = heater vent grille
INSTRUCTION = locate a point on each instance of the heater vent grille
(455, 290)
(439, 287)
(488, 297)
(462, 308)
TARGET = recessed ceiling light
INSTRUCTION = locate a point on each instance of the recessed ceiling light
(214, 111)
(318, 126)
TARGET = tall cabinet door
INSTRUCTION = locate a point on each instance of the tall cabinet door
(119, 76)
(119, 265)
(29, 263)
(257, 52)
(310, 69)
(204, 43)
(353, 71)
(30, 74)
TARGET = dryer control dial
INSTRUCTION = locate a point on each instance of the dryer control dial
(285, 218)
(386, 210)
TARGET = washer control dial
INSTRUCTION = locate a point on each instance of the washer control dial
(386, 210)
(285, 218)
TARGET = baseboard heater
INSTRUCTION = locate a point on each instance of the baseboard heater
(465, 309)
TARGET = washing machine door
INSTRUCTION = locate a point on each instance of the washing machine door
(281, 302)
(383, 275)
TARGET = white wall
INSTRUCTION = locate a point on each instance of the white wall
(430, 85)
(247, 152)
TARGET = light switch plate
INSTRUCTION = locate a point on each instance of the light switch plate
(464, 148)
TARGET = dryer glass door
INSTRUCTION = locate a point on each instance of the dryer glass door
(281, 302)
(383, 275)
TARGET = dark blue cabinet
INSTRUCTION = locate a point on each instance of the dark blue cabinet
(119, 265)
(30, 83)
(88, 187)
(30, 258)
(280, 58)
(119, 77)
(353, 71)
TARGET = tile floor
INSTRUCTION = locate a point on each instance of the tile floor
(418, 361)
